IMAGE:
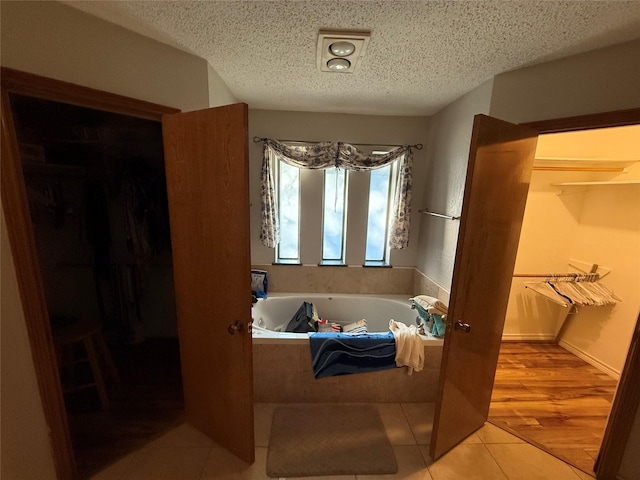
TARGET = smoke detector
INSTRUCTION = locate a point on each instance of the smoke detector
(340, 51)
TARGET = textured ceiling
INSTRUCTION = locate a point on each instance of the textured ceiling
(422, 54)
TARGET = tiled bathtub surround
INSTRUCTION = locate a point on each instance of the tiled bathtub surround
(351, 279)
(423, 285)
(285, 375)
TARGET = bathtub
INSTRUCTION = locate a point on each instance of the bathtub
(272, 314)
(282, 371)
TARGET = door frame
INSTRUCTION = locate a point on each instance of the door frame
(626, 402)
(22, 241)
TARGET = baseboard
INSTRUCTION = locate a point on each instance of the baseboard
(590, 359)
(527, 337)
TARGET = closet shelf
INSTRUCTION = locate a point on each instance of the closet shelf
(590, 184)
(583, 164)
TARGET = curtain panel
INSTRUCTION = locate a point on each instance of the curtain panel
(341, 155)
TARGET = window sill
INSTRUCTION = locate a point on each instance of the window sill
(332, 264)
(376, 265)
(287, 263)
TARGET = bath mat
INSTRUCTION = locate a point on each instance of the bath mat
(321, 439)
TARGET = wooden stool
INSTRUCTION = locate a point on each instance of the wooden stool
(67, 339)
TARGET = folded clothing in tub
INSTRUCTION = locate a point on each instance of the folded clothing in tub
(342, 353)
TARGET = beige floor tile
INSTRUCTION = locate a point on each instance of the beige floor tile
(420, 418)
(167, 464)
(489, 433)
(263, 414)
(411, 465)
(473, 438)
(526, 462)
(395, 423)
(115, 470)
(223, 465)
(468, 462)
(183, 435)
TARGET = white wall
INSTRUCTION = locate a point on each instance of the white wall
(599, 225)
(219, 93)
(56, 41)
(609, 235)
(549, 227)
(448, 154)
(336, 127)
(24, 429)
(602, 80)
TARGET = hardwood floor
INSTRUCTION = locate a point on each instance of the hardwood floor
(552, 399)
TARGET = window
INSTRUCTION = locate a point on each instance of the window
(288, 185)
(377, 249)
(300, 231)
(333, 216)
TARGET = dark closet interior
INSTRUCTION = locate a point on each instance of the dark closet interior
(98, 203)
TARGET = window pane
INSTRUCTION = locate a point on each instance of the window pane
(333, 215)
(288, 213)
(378, 219)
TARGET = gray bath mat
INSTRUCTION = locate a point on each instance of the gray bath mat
(325, 439)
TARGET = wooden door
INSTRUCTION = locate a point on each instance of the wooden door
(206, 157)
(498, 174)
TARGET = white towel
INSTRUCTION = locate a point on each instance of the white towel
(437, 310)
(427, 302)
(409, 347)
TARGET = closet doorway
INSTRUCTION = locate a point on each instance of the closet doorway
(555, 386)
(92, 167)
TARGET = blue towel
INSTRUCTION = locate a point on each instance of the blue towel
(439, 327)
(342, 354)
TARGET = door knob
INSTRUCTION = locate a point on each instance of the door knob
(235, 327)
(465, 327)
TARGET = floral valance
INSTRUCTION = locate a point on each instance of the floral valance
(341, 155)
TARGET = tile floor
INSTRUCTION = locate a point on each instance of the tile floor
(488, 454)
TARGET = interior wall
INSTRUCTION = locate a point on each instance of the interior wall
(24, 429)
(337, 127)
(219, 93)
(57, 41)
(596, 225)
(448, 142)
(609, 235)
(549, 227)
(602, 80)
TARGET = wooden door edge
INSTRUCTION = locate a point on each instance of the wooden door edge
(473, 141)
(34, 305)
(623, 414)
(29, 84)
(618, 118)
(473, 146)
